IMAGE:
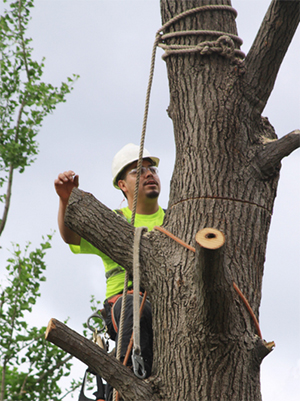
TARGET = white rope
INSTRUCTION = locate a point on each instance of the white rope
(136, 289)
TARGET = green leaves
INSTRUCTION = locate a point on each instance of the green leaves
(31, 366)
(24, 99)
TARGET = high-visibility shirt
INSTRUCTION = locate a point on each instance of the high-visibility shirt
(115, 273)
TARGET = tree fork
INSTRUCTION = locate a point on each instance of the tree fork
(108, 367)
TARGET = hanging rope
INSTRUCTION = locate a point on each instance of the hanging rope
(139, 170)
(136, 288)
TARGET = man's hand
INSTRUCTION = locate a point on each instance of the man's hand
(65, 183)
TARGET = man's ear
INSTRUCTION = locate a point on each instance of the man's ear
(122, 185)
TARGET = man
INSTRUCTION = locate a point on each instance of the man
(148, 213)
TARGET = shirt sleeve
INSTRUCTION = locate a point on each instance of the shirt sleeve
(85, 247)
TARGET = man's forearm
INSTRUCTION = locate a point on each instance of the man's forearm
(69, 236)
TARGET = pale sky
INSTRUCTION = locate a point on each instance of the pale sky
(108, 43)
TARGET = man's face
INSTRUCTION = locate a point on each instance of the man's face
(149, 186)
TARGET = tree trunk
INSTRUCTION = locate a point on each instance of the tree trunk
(226, 172)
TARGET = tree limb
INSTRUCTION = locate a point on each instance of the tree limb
(261, 350)
(99, 225)
(11, 172)
(108, 367)
(54, 368)
(273, 152)
(268, 50)
(7, 199)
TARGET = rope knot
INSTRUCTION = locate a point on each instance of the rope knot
(205, 48)
(227, 46)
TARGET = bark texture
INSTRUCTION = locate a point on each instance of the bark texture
(226, 174)
(90, 353)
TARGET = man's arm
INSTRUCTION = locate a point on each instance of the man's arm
(64, 185)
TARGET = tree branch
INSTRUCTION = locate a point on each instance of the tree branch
(261, 350)
(273, 152)
(22, 40)
(7, 199)
(108, 367)
(21, 392)
(54, 368)
(11, 172)
(99, 225)
(268, 50)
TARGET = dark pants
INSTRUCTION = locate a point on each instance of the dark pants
(146, 336)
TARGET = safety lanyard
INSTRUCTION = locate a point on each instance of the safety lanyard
(137, 359)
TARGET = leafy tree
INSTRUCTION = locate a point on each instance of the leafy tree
(30, 368)
(24, 99)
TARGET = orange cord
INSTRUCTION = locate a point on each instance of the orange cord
(249, 309)
(163, 230)
(246, 303)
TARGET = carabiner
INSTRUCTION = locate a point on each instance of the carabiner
(95, 315)
(138, 365)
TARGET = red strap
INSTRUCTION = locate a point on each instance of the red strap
(112, 301)
(114, 298)
(113, 320)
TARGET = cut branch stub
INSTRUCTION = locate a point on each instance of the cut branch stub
(108, 367)
(269, 157)
(210, 238)
(215, 292)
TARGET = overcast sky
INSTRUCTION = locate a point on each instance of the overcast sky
(108, 43)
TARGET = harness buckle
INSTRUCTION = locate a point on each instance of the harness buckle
(138, 365)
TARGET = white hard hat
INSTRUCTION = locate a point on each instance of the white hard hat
(128, 154)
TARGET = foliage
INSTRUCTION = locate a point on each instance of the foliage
(30, 366)
(95, 322)
(24, 99)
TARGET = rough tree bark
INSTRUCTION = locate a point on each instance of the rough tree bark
(226, 174)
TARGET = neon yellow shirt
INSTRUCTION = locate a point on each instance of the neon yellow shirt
(114, 273)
